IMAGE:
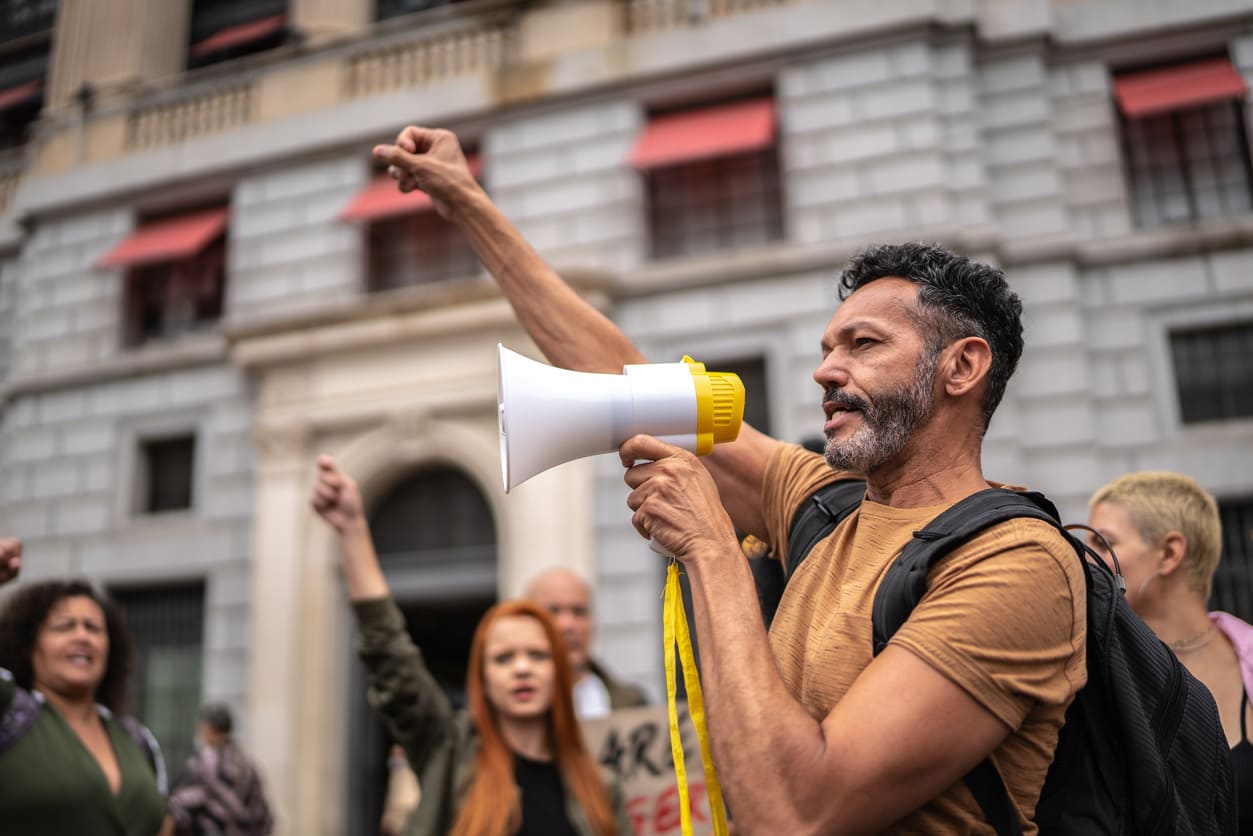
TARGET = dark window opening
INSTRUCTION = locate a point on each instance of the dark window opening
(1233, 581)
(416, 249)
(723, 203)
(171, 299)
(26, 18)
(168, 471)
(385, 9)
(25, 44)
(222, 30)
(167, 627)
(1188, 165)
(1213, 370)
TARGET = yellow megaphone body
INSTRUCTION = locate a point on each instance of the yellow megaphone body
(549, 415)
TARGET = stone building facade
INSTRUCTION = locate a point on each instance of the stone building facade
(202, 287)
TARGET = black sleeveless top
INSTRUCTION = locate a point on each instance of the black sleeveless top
(1242, 768)
(543, 798)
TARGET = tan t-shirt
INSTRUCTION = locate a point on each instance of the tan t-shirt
(1003, 618)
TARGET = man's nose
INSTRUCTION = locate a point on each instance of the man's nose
(831, 371)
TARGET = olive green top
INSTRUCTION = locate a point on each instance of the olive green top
(440, 743)
(51, 784)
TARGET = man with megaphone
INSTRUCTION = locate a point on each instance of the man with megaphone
(812, 733)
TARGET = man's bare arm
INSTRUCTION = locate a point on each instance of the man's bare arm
(570, 332)
(899, 737)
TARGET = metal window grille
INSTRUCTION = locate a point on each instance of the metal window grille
(22, 18)
(1233, 581)
(723, 203)
(1214, 372)
(169, 300)
(168, 472)
(1188, 165)
(167, 628)
(416, 250)
(209, 17)
(395, 8)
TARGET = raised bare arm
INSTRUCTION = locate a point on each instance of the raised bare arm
(571, 332)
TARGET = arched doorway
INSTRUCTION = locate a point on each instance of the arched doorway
(436, 542)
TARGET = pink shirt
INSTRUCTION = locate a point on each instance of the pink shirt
(1240, 634)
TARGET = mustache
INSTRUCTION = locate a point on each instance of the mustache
(833, 394)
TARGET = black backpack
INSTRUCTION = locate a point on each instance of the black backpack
(1142, 749)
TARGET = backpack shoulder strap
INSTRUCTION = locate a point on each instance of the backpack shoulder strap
(906, 582)
(906, 579)
(825, 509)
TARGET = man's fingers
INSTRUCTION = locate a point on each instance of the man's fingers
(645, 448)
(396, 156)
(417, 139)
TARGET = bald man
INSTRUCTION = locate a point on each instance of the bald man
(569, 599)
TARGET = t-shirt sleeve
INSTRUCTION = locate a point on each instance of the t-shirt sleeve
(1003, 618)
(792, 475)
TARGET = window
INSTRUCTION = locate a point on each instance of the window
(419, 249)
(394, 8)
(1214, 372)
(166, 467)
(22, 18)
(1185, 143)
(408, 243)
(1233, 582)
(25, 44)
(226, 29)
(167, 627)
(712, 178)
(175, 282)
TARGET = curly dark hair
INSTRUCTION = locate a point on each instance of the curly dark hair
(27, 610)
(958, 298)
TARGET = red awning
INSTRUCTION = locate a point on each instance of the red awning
(170, 239)
(1180, 86)
(381, 199)
(21, 94)
(244, 33)
(705, 133)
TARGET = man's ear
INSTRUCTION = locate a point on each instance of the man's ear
(1174, 548)
(967, 363)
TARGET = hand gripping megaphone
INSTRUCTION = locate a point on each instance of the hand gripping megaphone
(549, 415)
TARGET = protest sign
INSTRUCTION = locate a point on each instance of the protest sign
(635, 744)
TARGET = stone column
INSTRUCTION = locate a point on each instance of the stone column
(321, 20)
(276, 690)
(115, 45)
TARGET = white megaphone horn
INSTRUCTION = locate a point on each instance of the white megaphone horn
(549, 415)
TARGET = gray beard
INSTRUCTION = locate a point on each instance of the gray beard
(887, 424)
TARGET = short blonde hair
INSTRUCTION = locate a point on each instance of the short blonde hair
(1159, 502)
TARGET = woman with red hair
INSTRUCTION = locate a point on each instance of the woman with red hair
(514, 762)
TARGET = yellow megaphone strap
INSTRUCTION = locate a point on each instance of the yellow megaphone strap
(675, 631)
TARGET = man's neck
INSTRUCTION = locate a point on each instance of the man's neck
(922, 480)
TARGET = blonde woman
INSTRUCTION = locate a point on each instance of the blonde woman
(1165, 530)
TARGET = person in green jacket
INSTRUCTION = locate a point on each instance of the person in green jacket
(514, 761)
(70, 762)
